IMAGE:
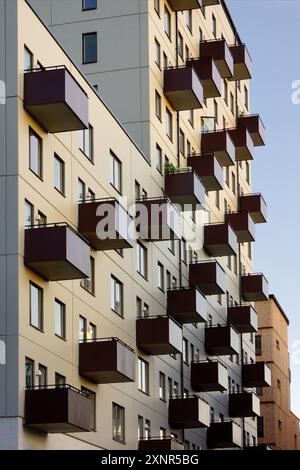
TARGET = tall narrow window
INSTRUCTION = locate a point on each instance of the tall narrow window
(28, 59)
(192, 118)
(214, 26)
(59, 174)
(157, 53)
(60, 380)
(189, 19)
(169, 124)
(162, 386)
(42, 376)
(117, 296)
(118, 422)
(82, 328)
(157, 6)
(247, 172)
(167, 22)
(217, 201)
(183, 251)
(225, 92)
(81, 190)
(60, 319)
(28, 213)
(216, 112)
(258, 346)
(87, 142)
(180, 45)
(161, 277)
(185, 351)
(89, 283)
(143, 375)
(159, 159)
(158, 105)
(142, 260)
(41, 219)
(115, 172)
(29, 372)
(246, 92)
(89, 48)
(35, 153)
(182, 142)
(232, 103)
(233, 180)
(140, 427)
(36, 306)
(89, 5)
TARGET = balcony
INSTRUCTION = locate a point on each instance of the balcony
(58, 410)
(243, 405)
(106, 360)
(158, 335)
(157, 219)
(222, 340)
(183, 186)
(208, 276)
(56, 252)
(242, 63)
(182, 5)
(209, 376)
(255, 288)
(224, 435)
(243, 225)
(244, 147)
(255, 126)
(243, 318)
(209, 75)
(160, 443)
(187, 305)
(256, 206)
(55, 99)
(256, 375)
(220, 52)
(220, 240)
(189, 412)
(105, 224)
(210, 3)
(219, 143)
(183, 88)
(209, 171)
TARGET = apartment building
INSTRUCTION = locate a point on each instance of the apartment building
(278, 426)
(115, 342)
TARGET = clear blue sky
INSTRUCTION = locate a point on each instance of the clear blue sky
(271, 30)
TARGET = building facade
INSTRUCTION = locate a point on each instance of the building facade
(118, 343)
(278, 427)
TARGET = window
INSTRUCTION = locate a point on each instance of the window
(157, 6)
(28, 213)
(247, 172)
(180, 45)
(214, 26)
(185, 351)
(278, 384)
(260, 426)
(175, 389)
(172, 246)
(212, 414)
(165, 60)
(279, 424)
(209, 320)
(28, 59)
(91, 331)
(36, 306)
(216, 112)
(192, 352)
(187, 54)
(217, 200)
(181, 142)
(117, 296)
(186, 445)
(246, 94)
(189, 19)
(277, 344)
(229, 262)
(140, 427)
(81, 190)
(170, 387)
(188, 148)
(162, 386)
(258, 345)
(142, 260)
(157, 53)
(60, 380)
(168, 276)
(42, 375)
(183, 251)
(29, 372)
(89, 48)
(233, 182)
(35, 153)
(174, 282)
(90, 195)
(60, 319)
(161, 277)
(118, 422)
(87, 142)
(41, 219)
(225, 92)
(159, 162)
(82, 328)
(115, 172)
(89, 283)
(249, 250)
(169, 124)
(137, 190)
(89, 5)
(232, 103)
(143, 376)
(158, 105)
(235, 264)
(59, 174)
(162, 433)
(139, 306)
(167, 23)
(147, 428)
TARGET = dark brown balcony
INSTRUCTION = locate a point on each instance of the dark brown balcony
(182, 5)
(189, 412)
(255, 205)
(220, 240)
(158, 335)
(243, 405)
(209, 376)
(61, 409)
(160, 443)
(242, 63)
(105, 224)
(256, 375)
(157, 219)
(224, 435)
(209, 171)
(183, 88)
(219, 143)
(244, 147)
(220, 52)
(56, 252)
(55, 99)
(258, 447)
(221, 340)
(243, 225)
(106, 360)
(210, 3)
(255, 126)
(255, 287)
(208, 276)
(243, 318)
(209, 75)
(187, 305)
(183, 186)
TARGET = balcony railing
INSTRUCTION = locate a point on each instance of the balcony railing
(221, 340)
(209, 75)
(220, 143)
(106, 360)
(256, 375)
(187, 305)
(209, 376)
(242, 62)
(220, 239)
(158, 335)
(55, 99)
(224, 435)
(183, 88)
(209, 171)
(189, 412)
(242, 140)
(243, 405)
(183, 187)
(255, 287)
(255, 205)
(159, 443)
(208, 276)
(255, 126)
(243, 318)
(220, 52)
(243, 226)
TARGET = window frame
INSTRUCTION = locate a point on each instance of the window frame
(34, 134)
(84, 36)
(115, 282)
(58, 160)
(62, 319)
(40, 290)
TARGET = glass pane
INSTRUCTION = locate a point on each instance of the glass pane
(28, 213)
(89, 4)
(35, 164)
(35, 306)
(90, 48)
(29, 373)
(28, 59)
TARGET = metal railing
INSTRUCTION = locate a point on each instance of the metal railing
(53, 225)
(161, 438)
(99, 340)
(58, 386)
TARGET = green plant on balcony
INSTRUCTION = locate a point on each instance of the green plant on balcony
(169, 168)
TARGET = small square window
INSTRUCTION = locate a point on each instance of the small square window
(89, 5)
